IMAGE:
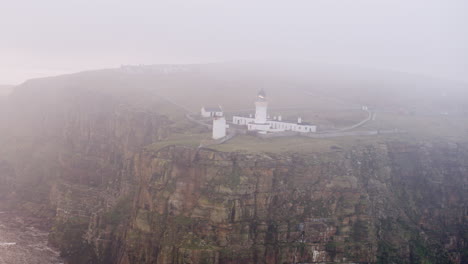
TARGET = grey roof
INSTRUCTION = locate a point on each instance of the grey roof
(306, 124)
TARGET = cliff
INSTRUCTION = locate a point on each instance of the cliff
(385, 203)
(84, 159)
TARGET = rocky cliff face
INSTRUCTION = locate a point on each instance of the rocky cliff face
(77, 158)
(386, 203)
(63, 155)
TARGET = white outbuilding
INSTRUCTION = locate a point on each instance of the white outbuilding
(219, 127)
(211, 111)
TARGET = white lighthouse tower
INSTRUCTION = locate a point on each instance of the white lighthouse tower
(261, 108)
(219, 127)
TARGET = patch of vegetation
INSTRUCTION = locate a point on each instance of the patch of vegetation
(119, 213)
(421, 252)
(400, 234)
(387, 253)
(228, 254)
(333, 248)
(233, 180)
(192, 241)
(360, 231)
(316, 208)
(68, 237)
(296, 144)
(182, 220)
(206, 258)
(188, 139)
(416, 125)
(252, 144)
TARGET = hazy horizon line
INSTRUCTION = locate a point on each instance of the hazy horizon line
(51, 73)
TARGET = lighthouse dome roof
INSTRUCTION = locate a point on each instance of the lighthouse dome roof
(261, 94)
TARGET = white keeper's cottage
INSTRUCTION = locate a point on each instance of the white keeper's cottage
(211, 111)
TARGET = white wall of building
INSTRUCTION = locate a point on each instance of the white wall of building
(258, 127)
(240, 120)
(219, 127)
(205, 113)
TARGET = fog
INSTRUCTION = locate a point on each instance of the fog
(216, 131)
(41, 38)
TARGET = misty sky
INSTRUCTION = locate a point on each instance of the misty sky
(48, 37)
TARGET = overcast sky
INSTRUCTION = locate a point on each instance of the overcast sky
(48, 37)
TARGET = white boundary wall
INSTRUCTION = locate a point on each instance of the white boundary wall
(273, 126)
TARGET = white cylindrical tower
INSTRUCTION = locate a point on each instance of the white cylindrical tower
(219, 127)
(261, 108)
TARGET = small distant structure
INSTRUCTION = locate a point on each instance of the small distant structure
(155, 69)
(219, 127)
(262, 124)
(211, 111)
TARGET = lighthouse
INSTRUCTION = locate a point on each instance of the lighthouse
(262, 124)
(261, 108)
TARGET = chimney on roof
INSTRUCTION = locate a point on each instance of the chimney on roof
(299, 120)
(279, 118)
